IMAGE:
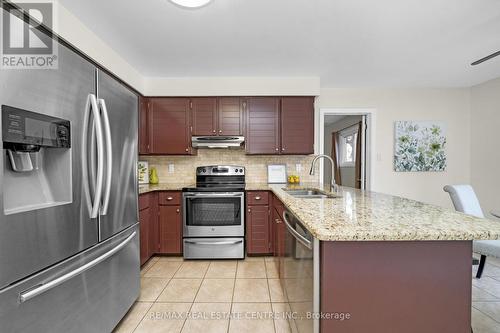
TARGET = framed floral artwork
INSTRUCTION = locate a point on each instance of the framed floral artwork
(419, 146)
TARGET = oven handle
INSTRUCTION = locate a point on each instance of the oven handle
(213, 195)
(214, 243)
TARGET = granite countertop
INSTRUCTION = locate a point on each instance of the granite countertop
(356, 215)
(146, 188)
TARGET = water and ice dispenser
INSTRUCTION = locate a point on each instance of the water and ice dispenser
(37, 160)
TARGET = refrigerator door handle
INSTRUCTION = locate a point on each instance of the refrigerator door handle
(109, 155)
(40, 289)
(91, 106)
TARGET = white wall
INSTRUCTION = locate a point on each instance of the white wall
(449, 105)
(232, 86)
(69, 27)
(347, 175)
(485, 139)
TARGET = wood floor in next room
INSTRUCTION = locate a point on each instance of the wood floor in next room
(226, 294)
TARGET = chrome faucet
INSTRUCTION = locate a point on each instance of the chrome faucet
(333, 185)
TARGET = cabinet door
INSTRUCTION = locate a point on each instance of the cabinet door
(297, 125)
(204, 116)
(143, 126)
(170, 229)
(144, 223)
(230, 114)
(262, 125)
(258, 241)
(169, 126)
(153, 225)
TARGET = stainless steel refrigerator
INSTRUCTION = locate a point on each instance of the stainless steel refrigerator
(69, 237)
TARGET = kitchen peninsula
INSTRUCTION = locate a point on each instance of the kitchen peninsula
(390, 263)
(386, 263)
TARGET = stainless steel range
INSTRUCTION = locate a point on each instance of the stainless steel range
(213, 213)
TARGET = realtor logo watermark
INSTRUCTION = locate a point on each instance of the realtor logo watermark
(24, 44)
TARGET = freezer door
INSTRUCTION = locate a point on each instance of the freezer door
(32, 240)
(66, 299)
(119, 204)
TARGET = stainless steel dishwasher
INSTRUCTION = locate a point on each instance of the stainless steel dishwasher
(300, 276)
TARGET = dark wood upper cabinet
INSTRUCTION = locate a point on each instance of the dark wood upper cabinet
(204, 116)
(297, 125)
(262, 125)
(271, 125)
(169, 126)
(143, 126)
(230, 116)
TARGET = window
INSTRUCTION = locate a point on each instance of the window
(347, 147)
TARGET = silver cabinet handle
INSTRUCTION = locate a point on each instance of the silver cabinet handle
(94, 204)
(31, 293)
(277, 221)
(170, 199)
(109, 155)
(257, 198)
(307, 243)
(214, 243)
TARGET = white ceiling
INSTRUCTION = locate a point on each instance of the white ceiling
(347, 43)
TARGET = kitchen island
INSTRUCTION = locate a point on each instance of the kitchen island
(389, 264)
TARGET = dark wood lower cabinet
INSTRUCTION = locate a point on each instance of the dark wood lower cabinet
(170, 225)
(279, 233)
(258, 240)
(144, 224)
(160, 225)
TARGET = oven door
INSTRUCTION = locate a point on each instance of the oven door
(214, 214)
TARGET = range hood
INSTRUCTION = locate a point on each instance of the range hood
(217, 141)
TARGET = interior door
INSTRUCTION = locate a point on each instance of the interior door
(120, 197)
(34, 239)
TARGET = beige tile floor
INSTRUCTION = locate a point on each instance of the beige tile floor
(223, 292)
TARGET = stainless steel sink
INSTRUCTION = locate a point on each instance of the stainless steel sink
(309, 194)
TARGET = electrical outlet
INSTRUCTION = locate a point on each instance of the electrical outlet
(379, 157)
(171, 168)
(298, 167)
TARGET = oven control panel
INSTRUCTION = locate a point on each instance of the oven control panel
(220, 170)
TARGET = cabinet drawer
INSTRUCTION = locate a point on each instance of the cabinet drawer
(144, 201)
(170, 198)
(257, 198)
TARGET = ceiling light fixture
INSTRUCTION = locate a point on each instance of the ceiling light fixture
(191, 3)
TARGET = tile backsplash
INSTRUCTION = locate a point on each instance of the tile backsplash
(256, 166)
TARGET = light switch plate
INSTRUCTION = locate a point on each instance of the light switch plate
(298, 167)
(171, 168)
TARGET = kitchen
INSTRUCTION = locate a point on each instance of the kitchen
(148, 190)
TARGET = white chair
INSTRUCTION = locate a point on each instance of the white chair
(465, 200)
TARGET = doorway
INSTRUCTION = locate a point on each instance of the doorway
(346, 137)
